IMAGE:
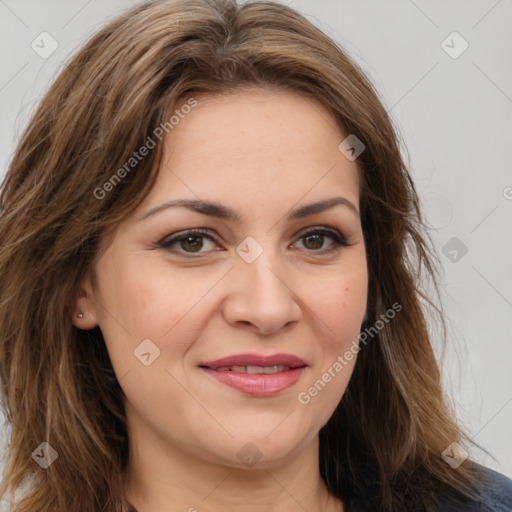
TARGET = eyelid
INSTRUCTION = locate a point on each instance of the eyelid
(180, 235)
(335, 233)
(336, 236)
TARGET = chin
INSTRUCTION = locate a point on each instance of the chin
(264, 449)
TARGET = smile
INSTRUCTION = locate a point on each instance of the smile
(254, 370)
(256, 375)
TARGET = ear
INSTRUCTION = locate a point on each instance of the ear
(85, 304)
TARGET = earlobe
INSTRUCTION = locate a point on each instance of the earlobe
(84, 308)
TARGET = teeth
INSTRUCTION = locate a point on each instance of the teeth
(255, 370)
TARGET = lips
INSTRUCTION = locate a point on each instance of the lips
(254, 370)
(288, 360)
(256, 375)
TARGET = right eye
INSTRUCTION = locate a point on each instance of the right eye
(190, 242)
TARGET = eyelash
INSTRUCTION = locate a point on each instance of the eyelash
(334, 235)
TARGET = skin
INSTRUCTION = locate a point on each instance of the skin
(262, 153)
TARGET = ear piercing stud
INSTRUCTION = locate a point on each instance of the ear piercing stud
(79, 315)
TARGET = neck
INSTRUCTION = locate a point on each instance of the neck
(163, 478)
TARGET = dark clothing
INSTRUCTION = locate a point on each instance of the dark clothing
(495, 490)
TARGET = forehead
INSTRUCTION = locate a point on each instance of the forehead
(241, 144)
(248, 120)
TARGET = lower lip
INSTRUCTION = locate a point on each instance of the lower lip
(260, 384)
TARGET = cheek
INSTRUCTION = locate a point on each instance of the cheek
(134, 301)
(340, 303)
(143, 301)
(340, 308)
(150, 318)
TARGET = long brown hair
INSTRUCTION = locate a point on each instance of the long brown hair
(383, 444)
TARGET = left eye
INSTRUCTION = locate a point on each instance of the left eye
(191, 242)
(317, 237)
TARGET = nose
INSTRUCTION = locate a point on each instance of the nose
(261, 296)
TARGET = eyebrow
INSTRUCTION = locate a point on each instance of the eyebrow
(220, 211)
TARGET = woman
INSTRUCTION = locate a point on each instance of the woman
(210, 265)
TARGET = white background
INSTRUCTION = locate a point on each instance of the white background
(455, 118)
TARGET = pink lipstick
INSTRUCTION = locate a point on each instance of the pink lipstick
(256, 375)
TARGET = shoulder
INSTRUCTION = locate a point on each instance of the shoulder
(493, 488)
(495, 492)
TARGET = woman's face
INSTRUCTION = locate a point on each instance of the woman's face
(267, 283)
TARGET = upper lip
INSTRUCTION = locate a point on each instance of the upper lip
(256, 360)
